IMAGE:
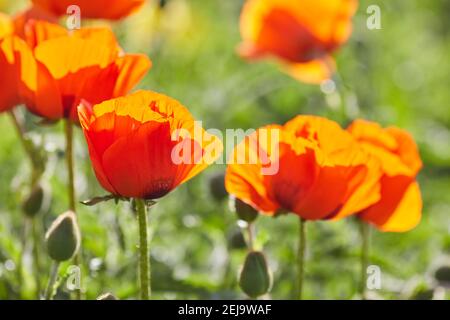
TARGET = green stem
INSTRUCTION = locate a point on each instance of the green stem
(49, 292)
(21, 135)
(250, 235)
(364, 229)
(144, 260)
(23, 242)
(340, 88)
(69, 159)
(27, 147)
(36, 260)
(71, 185)
(301, 257)
(29, 224)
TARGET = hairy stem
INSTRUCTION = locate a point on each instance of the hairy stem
(364, 230)
(27, 147)
(144, 258)
(250, 234)
(36, 260)
(21, 134)
(71, 184)
(49, 292)
(301, 257)
(69, 159)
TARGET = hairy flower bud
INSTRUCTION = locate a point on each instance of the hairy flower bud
(236, 239)
(255, 279)
(33, 202)
(244, 211)
(217, 186)
(107, 296)
(63, 237)
(442, 275)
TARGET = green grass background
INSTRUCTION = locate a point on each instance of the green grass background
(398, 75)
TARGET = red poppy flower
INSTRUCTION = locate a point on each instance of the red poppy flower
(134, 143)
(301, 34)
(400, 206)
(322, 172)
(98, 9)
(84, 64)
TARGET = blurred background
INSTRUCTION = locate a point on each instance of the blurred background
(398, 75)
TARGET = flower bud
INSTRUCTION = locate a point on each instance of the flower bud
(107, 296)
(423, 294)
(442, 275)
(33, 202)
(244, 211)
(63, 237)
(255, 279)
(236, 239)
(217, 186)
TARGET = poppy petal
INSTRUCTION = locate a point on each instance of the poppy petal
(6, 25)
(314, 72)
(140, 164)
(37, 31)
(132, 69)
(395, 148)
(244, 176)
(99, 9)
(400, 207)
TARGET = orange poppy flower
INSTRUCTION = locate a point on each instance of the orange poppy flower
(6, 25)
(322, 172)
(134, 143)
(98, 9)
(84, 64)
(21, 20)
(400, 206)
(301, 34)
(12, 51)
(36, 31)
(15, 55)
